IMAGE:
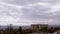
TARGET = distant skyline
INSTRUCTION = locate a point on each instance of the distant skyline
(26, 12)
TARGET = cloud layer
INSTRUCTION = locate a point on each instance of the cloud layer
(29, 12)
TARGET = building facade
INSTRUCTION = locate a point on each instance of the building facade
(33, 26)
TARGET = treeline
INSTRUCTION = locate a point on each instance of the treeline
(10, 30)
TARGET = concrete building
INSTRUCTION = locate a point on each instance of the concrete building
(35, 33)
(58, 32)
(38, 33)
(33, 26)
(39, 26)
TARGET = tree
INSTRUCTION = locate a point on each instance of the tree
(36, 30)
(19, 31)
(9, 30)
(44, 30)
(51, 30)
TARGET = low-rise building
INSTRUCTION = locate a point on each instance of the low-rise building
(33, 26)
(58, 31)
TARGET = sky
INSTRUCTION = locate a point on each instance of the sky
(27, 12)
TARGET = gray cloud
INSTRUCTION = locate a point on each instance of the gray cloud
(29, 11)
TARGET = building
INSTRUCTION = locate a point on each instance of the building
(35, 33)
(33, 26)
(58, 32)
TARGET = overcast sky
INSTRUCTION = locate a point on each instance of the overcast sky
(26, 12)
